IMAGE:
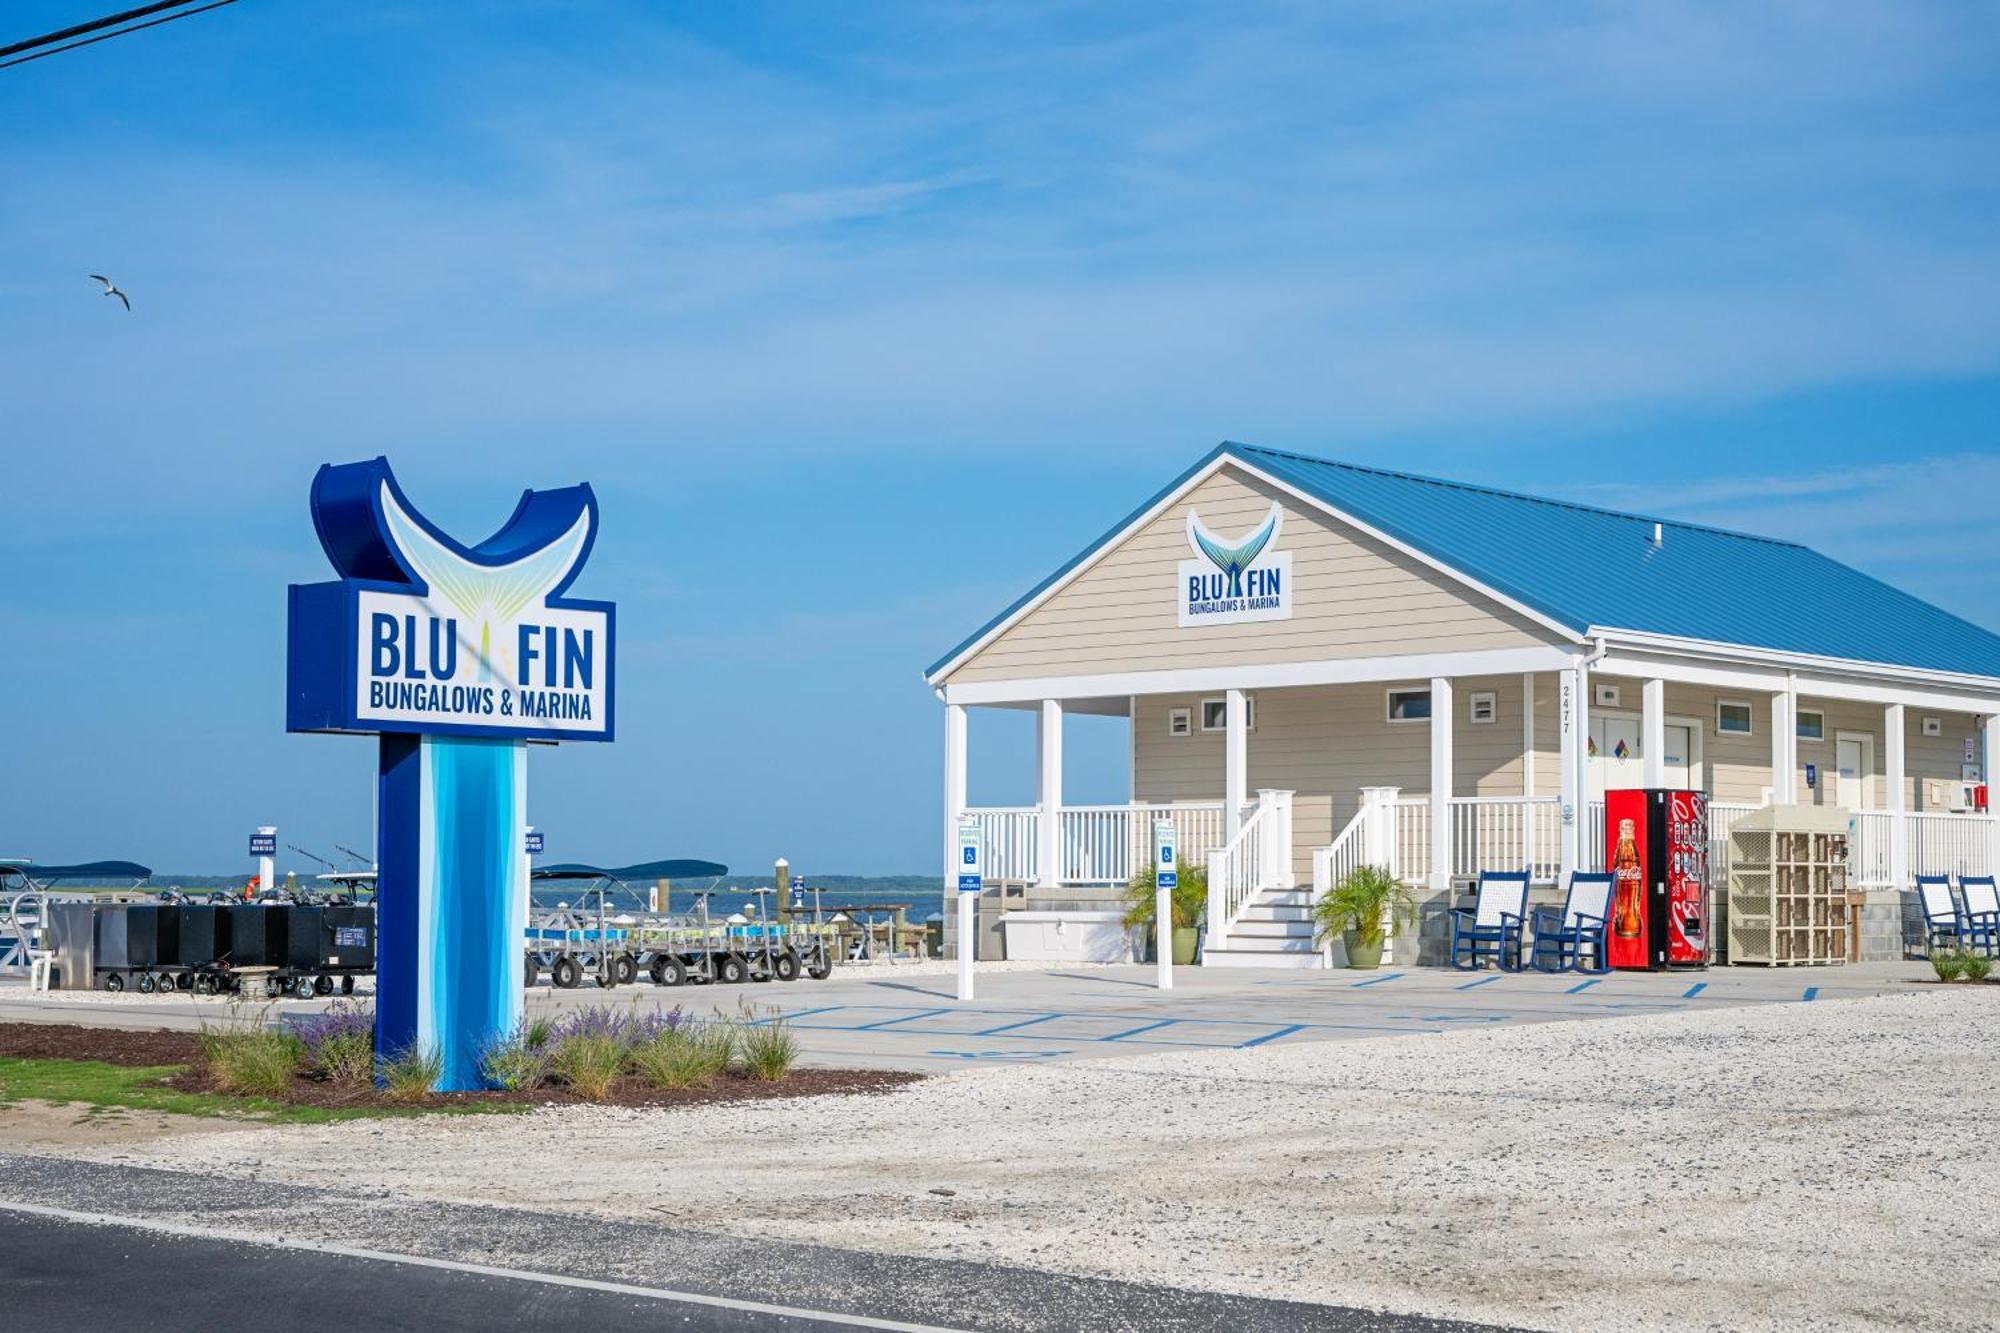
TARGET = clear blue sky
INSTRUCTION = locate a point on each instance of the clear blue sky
(861, 318)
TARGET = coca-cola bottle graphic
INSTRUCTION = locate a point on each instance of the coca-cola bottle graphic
(1629, 882)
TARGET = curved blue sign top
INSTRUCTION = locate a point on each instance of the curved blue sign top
(350, 509)
(426, 634)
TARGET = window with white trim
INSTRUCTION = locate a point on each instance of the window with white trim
(1482, 706)
(1180, 721)
(1215, 714)
(1811, 724)
(1410, 705)
(1732, 717)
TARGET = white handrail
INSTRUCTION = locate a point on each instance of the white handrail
(1236, 873)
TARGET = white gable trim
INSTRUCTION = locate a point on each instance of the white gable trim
(1173, 497)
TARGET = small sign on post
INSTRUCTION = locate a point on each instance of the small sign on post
(1166, 878)
(534, 843)
(971, 879)
(263, 844)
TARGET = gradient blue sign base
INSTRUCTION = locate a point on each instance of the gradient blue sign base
(450, 911)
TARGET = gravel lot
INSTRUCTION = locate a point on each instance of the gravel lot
(1804, 1166)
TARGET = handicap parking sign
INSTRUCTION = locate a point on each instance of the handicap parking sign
(970, 877)
(1166, 864)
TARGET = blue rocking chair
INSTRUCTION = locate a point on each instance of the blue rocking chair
(1979, 924)
(1941, 917)
(1564, 939)
(1492, 928)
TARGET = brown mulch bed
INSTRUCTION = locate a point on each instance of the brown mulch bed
(628, 1092)
(112, 1046)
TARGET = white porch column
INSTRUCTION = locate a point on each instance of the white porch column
(954, 808)
(1235, 763)
(1899, 832)
(1527, 733)
(1989, 753)
(1278, 829)
(1048, 828)
(1653, 733)
(1572, 729)
(1442, 714)
(1785, 744)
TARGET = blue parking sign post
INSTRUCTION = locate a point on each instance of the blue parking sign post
(971, 879)
(1166, 878)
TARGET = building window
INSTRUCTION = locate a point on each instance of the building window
(1812, 725)
(1732, 719)
(1215, 714)
(1483, 705)
(1409, 705)
(1180, 721)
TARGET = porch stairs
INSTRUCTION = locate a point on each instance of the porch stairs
(1273, 929)
(1257, 916)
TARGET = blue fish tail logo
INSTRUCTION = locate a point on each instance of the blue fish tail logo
(1232, 558)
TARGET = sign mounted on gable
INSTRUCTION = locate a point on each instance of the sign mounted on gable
(1236, 582)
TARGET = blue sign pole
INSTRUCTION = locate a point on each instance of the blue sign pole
(971, 880)
(456, 656)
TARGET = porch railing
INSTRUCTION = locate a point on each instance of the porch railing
(1105, 844)
(1096, 845)
(1237, 871)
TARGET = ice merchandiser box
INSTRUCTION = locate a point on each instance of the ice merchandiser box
(1656, 847)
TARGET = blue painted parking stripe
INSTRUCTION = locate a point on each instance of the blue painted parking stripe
(1376, 981)
(783, 1017)
(1581, 986)
(1009, 1027)
(890, 1022)
(1483, 981)
(1812, 992)
(1144, 1027)
(1272, 1035)
(1694, 990)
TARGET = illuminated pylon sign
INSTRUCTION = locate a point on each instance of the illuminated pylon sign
(456, 656)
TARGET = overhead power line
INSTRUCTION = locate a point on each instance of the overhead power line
(55, 43)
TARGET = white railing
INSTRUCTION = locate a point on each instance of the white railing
(1010, 835)
(1506, 833)
(1260, 858)
(1340, 858)
(1105, 844)
(1944, 844)
(1410, 844)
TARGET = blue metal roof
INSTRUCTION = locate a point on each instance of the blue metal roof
(1584, 567)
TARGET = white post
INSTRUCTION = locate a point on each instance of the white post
(528, 868)
(1048, 827)
(1378, 831)
(1527, 733)
(1166, 878)
(954, 809)
(1785, 745)
(1572, 729)
(1989, 752)
(1653, 733)
(267, 866)
(1235, 763)
(1277, 850)
(1441, 727)
(1899, 845)
(968, 927)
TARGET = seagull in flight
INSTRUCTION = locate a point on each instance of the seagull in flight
(111, 289)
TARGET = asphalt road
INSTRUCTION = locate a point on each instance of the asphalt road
(88, 1246)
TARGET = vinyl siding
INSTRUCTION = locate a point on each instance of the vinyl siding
(1353, 596)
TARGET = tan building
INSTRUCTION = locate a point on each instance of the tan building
(1289, 635)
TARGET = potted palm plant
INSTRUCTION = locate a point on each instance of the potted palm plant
(1188, 897)
(1356, 908)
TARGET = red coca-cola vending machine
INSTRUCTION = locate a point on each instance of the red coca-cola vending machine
(1656, 846)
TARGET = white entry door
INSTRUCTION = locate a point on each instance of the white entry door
(1850, 787)
(1615, 763)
